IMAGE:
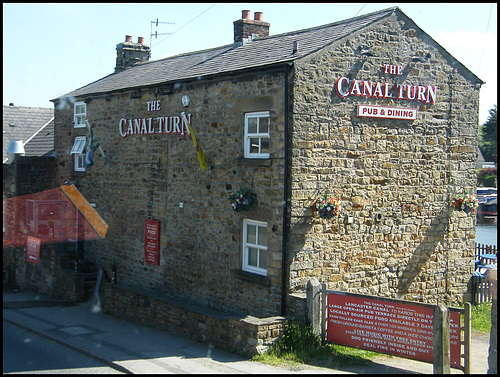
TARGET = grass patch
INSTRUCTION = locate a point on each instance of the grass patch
(299, 345)
(481, 317)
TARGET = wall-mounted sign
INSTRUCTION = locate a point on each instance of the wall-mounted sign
(368, 89)
(150, 126)
(33, 249)
(152, 241)
(154, 125)
(393, 69)
(386, 112)
(387, 326)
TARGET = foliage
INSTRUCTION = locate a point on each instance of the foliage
(465, 202)
(327, 207)
(243, 199)
(299, 345)
(297, 339)
(488, 137)
(486, 177)
(481, 317)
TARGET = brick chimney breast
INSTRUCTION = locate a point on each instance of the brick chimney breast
(129, 53)
(246, 27)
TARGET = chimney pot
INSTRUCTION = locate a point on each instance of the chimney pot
(128, 38)
(245, 14)
(257, 16)
(140, 40)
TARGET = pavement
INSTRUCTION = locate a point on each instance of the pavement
(132, 348)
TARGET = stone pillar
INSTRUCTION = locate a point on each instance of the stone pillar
(313, 305)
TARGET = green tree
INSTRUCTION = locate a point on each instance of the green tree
(488, 137)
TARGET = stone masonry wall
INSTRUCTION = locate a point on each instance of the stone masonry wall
(149, 176)
(406, 171)
(52, 277)
(246, 335)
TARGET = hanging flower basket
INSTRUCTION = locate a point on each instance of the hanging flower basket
(243, 199)
(327, 207)
(465, 202)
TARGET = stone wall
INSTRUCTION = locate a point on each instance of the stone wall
(53, 277)
(405, 171)
(148, 176)
(246, 335)
(29, 175)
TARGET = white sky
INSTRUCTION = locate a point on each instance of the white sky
(52, 49)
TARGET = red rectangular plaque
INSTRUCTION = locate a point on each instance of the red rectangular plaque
(33, 249)
(392, 327)
(152, 241)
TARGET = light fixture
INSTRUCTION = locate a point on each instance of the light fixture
(420, 59)
(363, 50)
(14, 149)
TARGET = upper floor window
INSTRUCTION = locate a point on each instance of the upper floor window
(79, 151)
(255, 247)
(80, 114)
(257, 135)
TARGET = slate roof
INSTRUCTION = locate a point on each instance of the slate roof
(259, 52)
(33, 125)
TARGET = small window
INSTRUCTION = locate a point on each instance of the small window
(255, 247)
(80, 114)
(79, 151)
(257, 135)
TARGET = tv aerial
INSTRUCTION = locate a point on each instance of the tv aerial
(156, 34)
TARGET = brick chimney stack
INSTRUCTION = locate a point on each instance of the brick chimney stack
(245, 27)
(129, 53)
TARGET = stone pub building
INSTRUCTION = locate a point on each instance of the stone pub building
(369, 110)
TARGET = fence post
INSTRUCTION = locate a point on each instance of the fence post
(323, 314)
(313, 305)
(441, 339)
(467, 337)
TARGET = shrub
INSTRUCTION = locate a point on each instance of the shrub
(297, 342)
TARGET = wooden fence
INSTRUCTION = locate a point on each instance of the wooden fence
(482, 289)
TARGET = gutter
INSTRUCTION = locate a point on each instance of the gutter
(286, 202)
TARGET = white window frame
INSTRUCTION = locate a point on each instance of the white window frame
(247, 245)
(79, 151)
(256, 135)
(79, 116)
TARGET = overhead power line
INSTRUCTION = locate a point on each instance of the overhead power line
(487, 26)
(185, 25)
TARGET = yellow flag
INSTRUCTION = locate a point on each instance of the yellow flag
(199, 152)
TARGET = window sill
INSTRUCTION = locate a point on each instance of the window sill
(254, 161)
(245, 275)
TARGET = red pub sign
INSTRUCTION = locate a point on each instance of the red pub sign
(152, 241)
(393, 327)
(33, 249)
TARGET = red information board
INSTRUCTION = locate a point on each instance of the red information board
(152, 241)
(33, 249)
(393, 327)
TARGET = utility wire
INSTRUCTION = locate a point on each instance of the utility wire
(487, 26)
(185, 25)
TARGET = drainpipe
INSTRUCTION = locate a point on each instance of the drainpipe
(285, 201)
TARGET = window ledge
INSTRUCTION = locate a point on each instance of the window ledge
(254, 161)
(245, 275)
